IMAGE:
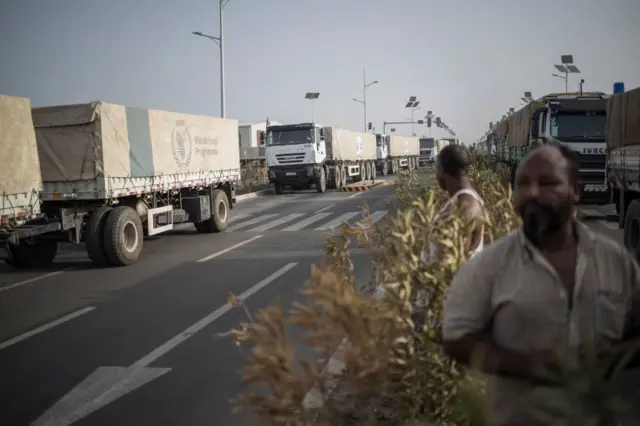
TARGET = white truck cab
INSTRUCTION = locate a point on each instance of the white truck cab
(579, 122)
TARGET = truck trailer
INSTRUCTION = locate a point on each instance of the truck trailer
(623, 165)
(574, 119)
(304, 154)
(110, 175)
(396, 152)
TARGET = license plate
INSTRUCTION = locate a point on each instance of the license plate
(595, 188)
(291, 173)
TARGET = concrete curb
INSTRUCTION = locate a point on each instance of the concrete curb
(360, 188)
(253, 194)
(314, 398)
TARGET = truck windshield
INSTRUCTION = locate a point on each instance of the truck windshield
(578, 126)
(378, 140)
(292, 137)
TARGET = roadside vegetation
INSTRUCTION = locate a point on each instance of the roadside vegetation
(395, 373)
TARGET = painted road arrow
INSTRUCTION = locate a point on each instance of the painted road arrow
(107, 384)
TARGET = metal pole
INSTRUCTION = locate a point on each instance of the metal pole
(413, 132)
(222, 94)
(364, 97)
(313, 109)
(566, 82)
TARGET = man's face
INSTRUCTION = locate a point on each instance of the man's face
(544, 193)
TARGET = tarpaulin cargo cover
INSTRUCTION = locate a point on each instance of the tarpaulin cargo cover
(20, 178)
(102, 150)
(623, 119)
(402, 146)
(345, 145)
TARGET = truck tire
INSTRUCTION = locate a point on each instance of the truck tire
(372, 169)
(94, 236)
(321, 184)
(632, 228)
(277, 187)
(384, 170)
(219, 220)
(123, 236)
(343, 175)
(28, 255)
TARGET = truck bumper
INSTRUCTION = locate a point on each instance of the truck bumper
(298, 174)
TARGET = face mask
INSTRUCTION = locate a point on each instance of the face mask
(539, 220)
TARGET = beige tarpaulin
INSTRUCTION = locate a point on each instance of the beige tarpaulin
(19, 163)
(623, 119)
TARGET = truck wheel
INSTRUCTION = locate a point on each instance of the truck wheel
(94, 236)
(343, 175)
(372, 169)
(335, 175)
(33, 255)
(321, 184)
(123, 237)
(277, 187)
(632, 228)
(384, 170)
(219, 219)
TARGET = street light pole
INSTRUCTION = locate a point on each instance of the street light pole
(219, 42)
(222, 91)
(364, 97)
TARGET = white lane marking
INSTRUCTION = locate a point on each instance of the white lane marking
(228, 249)
(107, 384)
(308, 221)
(610, 225)
(337, 221)
(251, 222)
(240, 216)
(325, 208)
(30, 280)
(277, 222)
(196, 327)
(45, 327)
(354, 195)
(377, 215)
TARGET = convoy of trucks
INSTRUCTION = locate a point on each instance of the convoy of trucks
(304, 154)
(107, 175)
(396, 152)
(623, 162)
(575, 119)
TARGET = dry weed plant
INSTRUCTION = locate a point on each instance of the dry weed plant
(394, 369)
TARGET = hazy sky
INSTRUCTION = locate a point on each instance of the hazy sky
(468, 61)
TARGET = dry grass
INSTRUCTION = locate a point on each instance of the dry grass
(393, 370)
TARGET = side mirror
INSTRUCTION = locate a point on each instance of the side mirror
(535, 123)
(322, 133)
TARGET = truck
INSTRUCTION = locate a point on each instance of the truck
(428, 151)
(107, 175)
(396, 152)
(305, 154)
(574, 119)
(623, 165)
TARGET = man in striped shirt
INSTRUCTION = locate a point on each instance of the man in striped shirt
(543, 294)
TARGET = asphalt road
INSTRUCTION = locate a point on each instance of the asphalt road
(139, 345)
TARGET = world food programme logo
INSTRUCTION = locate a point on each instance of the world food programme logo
(182, 144)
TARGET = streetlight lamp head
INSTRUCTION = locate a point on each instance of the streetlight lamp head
(375, 82)
(198, 33)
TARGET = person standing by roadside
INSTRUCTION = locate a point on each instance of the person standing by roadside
(452, 174)
(542, 294)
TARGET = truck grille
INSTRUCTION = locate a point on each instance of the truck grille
(290, 158)
(597, 161)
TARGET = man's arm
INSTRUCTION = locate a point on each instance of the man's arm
(466, 329)
(630, 344)
(474, 213)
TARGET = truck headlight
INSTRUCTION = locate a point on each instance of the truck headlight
(310, 171)
(272, 174)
